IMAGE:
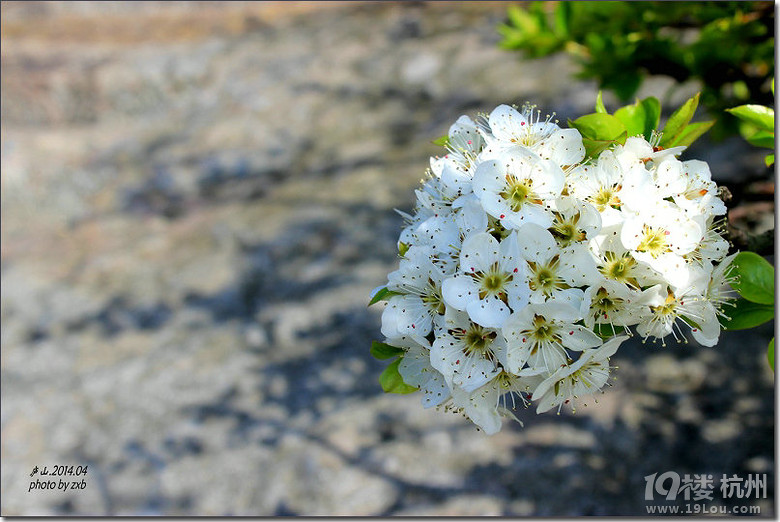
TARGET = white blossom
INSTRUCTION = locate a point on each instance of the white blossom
(540, 334)
(584, 377)
(491, 279)
(518, 187)
(525, 265)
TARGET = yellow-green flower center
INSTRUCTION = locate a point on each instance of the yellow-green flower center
(478, 340)
(603, 305)
(435, 303)
(653, 241)
(527, 139)
(432, 298)
(604, 302)
(668, 308)
(620, 268)
(606, 197)
(544, 277)
(518, 192)
(543, 332)
(565, 230)
(493, 282)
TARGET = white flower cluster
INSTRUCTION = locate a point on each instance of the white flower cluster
(523, 262)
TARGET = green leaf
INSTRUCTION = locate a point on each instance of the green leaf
(762, 138)
(403, 248)
(526, 24)
(652, 115)
(691, 133)
(755, 278)
(745, 314)
(442, 141)
(600, 109)
(595, 147)
(392, 382)
(606, 331)
(562, 16)
(770, 354)
(633, 117)
(690, 322)
(760, 116)
(382, 295)
(678, 121)
(769, 160)
(599, 126)
(383, 351)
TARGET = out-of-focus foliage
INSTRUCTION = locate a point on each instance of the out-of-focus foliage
(728, 46)
(758, 125)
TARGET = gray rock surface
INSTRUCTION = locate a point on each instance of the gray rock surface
(196, 202)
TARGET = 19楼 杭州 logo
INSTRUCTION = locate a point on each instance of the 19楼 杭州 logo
(700, 486)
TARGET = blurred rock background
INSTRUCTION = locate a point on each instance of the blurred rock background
(197, 198)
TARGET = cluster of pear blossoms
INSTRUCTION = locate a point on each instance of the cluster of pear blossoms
(525, 264)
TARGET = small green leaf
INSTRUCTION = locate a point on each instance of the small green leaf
(600, 109)
(442, 141)
(383, 351)
(762, 138)
(652, 115)
(403, 248)
(690, 322)
(595, 147)
(769, 160)
(382, 295)
(607, 331)
(599, 127)
(760, 116)
(745, 314)
(770, 354)
(691, 133)
(678, 121)
(392, 382)
(755, 278)
(633, 117)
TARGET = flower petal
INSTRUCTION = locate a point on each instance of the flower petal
(488, 178)
(446, 353)
(507, 123)
(474, 373)
(557, 311)
(577, 266)
(518, 293)
(489, 312)
(479, 252)
(548, 179)
(578, 338)
(391, 318)
(414, 318)
(435, 391)
(459, 291)
(566, 147)
(536, 243)
(549, 357)
(569, 296)
(480, 406)
(511, 258)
